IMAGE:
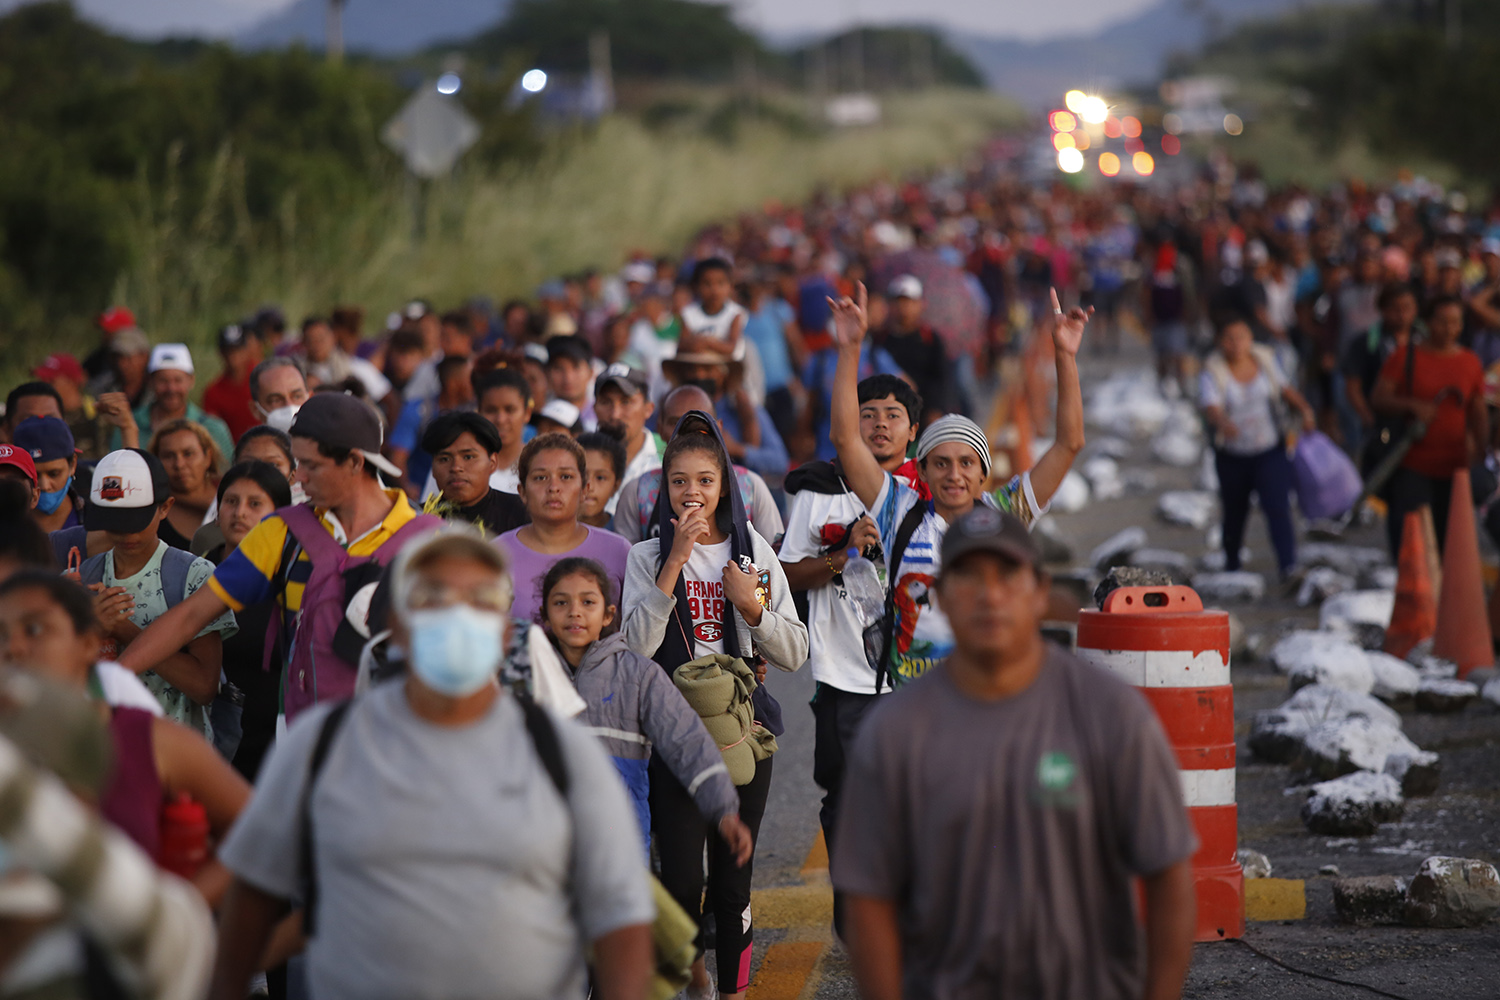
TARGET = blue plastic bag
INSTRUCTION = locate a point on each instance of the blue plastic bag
(1327, 480)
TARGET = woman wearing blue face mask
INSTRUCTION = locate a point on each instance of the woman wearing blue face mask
(432, 797)
(50, 444)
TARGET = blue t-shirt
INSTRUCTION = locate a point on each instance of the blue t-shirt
(407, 435)
(766, 328)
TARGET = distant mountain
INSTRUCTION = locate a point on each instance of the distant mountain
(1128, 52)
(380, 27)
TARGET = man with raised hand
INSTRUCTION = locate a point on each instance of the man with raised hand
(953, 459)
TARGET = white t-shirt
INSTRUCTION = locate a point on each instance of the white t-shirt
(703, 579)
(835, 640)
(717, 326)
(644, 461)
(1249, 406)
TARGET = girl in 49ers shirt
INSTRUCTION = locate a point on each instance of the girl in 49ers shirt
(709, 584)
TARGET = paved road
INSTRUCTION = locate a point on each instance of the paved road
(796, 958)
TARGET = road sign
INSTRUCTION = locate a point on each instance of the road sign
(431, 132)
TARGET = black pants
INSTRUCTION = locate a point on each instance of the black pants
(836, 719)
(680, 834)
(1407, 492)
(1269, 476)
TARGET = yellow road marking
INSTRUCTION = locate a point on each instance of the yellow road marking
(784, 971)
(793, 906)
(817, 856)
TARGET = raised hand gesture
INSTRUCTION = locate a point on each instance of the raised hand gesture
(1067, 331)
(850, 319)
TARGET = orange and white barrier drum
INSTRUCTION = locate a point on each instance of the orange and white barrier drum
(1161, 641)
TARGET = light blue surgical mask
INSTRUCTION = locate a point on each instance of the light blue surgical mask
(456, 651)
(50, 500)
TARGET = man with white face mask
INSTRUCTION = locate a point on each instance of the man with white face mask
(452, 840)
(277, 390)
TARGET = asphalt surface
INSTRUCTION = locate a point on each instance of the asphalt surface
(796, 956)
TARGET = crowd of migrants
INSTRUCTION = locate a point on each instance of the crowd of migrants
(422, 654)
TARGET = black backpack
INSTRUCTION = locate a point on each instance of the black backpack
(543, 738)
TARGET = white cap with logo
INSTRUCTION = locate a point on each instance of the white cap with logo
(171, 358)
(128, 486)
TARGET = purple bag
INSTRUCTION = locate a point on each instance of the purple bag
(1327, 480)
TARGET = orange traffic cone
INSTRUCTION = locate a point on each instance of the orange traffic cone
(1414, 617)
(1463, 625)
(1434, 554)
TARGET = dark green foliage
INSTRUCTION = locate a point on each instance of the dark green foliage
(1389, 73)
(96, 131)
(1406, 85)
(884, 59)
(648, 38)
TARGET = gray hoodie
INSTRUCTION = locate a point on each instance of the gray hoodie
(780, 637)
(632, 705)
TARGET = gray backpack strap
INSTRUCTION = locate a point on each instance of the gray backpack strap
(175, 564)
(92, 570)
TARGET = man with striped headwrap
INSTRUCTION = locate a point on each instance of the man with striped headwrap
(953, 459)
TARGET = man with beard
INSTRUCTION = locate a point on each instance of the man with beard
(171, 383)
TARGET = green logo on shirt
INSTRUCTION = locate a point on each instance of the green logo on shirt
(1055, 774)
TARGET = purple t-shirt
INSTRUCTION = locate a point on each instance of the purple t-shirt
(528, 567)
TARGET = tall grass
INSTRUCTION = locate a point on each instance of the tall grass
(591, 197)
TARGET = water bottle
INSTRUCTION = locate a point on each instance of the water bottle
(864, 583)
(184, 836)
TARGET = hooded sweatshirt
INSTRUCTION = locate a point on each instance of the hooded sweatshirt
(657, 625)
(633, 707)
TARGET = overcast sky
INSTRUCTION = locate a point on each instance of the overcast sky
(1014, 18)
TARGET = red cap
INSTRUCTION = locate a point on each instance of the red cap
(11, 455)
(60, 365)
(116, 318)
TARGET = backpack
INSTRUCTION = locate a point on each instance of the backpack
(175, 564)
(321, 658)
(673, 932)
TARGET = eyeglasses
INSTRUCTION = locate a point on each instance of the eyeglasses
(429, 596)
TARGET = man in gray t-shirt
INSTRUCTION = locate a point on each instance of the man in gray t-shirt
(449, 864)
(997, 808)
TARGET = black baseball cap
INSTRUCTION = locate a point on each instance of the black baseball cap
(985, 529)
(338, 420)
(631, 381)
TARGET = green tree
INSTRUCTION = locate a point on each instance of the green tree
(648, 38)
(1405, 85)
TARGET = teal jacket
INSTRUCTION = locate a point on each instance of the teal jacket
(217, 429)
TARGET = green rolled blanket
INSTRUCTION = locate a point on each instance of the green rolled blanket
(719, 687)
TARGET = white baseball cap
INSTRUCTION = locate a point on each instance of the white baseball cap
(908, 286)
(170, 358)
(638, 272)
(128, 486)
(560, 411)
